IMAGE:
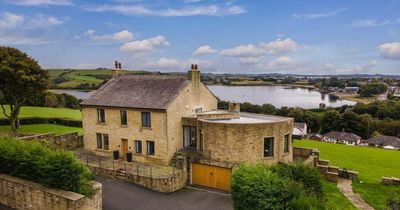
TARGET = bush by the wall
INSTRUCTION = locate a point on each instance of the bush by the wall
(37, 162)
(259, 186)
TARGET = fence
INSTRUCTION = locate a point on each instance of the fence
(122, 168)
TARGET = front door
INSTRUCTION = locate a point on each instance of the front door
(189, 136)
(124, 147)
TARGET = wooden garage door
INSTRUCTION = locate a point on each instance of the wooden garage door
(211, 176)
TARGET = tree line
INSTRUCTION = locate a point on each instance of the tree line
(365, 120)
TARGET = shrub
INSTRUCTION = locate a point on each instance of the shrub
(276, 187)
(37, 162)
(257, 187)
(308, 176)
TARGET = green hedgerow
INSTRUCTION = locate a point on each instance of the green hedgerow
(38, 162)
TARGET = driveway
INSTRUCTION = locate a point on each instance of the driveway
(121, 195)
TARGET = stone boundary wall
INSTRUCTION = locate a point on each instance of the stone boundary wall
(164, 185)
(67, 141)
(26, 195)
(390, 180)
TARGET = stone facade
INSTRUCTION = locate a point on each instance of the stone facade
(244, 142)
(25, 195)
(166, 125)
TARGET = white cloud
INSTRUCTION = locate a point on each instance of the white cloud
(41, 2)
(145, 44)
(280, 46)
(165, 63)
(121, 36)
(364, 69)
(22, 40)
(11, 20)
(243, 51)
(279, 62)
(203, 50)
(141, 10)
(20, 22)
(320, 15)
(250, 60)
(370, 23)
(390, 50)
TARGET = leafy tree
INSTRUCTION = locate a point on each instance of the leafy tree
(268, 109)
(20, 78)
(330, 121)
(372, 89)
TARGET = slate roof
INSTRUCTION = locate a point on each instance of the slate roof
(383, 140)
(138, 91)
(343, 136)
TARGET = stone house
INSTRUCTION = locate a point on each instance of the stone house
(157, 117)
(342, 138)
(386, 142)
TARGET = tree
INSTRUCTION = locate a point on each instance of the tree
(372, 89)
(20, 78)
(330, 121)
(268, 109)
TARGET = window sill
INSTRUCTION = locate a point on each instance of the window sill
(100, 123)
(269, 158)
(103, 150)
(146, 128)
(123, 126)
(137, 154)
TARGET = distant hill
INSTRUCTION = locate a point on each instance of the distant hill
(83, 78)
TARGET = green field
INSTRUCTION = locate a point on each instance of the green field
(43, 128)
(334, 199)
(47, 112)
(371, 163)
(77, 77)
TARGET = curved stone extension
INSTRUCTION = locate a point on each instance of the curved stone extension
(345, 187)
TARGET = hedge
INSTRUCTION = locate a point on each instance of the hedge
(38, 162)
(258, 186)
(38, 120)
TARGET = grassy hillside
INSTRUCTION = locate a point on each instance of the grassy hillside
(47, 112)
(371, 163)
(82, 78)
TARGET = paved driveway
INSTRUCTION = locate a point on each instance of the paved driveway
(121, 195)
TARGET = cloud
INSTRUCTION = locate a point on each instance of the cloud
(243, 51)
(20, 22)
(10, 20)
(250, 60)
(279, 62)
(145, 44)
(41, 2)
(203, 50)
(320, 15)
(117, 37)
(195, 10)
(364, 69)
(390, 50)
(22, 40)
(280, 46)
(370, 23)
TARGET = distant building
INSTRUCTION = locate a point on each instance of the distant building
(387, 142)
(299, 130)
(342, 138)
(315, 137)
(351, 89)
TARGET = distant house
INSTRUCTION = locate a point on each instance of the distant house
(342, 138)
(351, 89)
(299, 130)
(315, 137)
(387, 142)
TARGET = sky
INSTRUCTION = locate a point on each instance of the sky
(233, 36)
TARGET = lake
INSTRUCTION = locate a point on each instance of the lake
(276, 95)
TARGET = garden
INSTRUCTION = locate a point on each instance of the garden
(371, 163)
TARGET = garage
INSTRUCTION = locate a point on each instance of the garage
(211, 176)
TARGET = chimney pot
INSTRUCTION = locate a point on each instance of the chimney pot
(234, 107)
(119, 65)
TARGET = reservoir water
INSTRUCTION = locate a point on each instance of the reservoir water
(276, 95)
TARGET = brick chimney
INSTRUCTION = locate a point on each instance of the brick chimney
(234, 107)
(117, 69)
(194, 73)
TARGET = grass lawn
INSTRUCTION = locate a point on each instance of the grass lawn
(334, 199)
(371, 163)
(43, 128)
(47, 112)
